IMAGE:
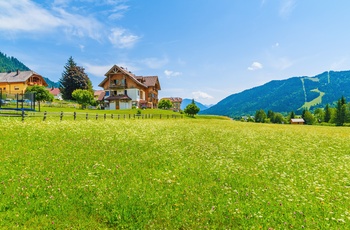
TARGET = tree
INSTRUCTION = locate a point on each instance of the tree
(308, 117)
(83, 97)
(327, 113)
(165, 104)
(73, 77)
(319, 115)
(191, 109)
(341, 112)
(41, 94)
(279, 119)
(260, 116)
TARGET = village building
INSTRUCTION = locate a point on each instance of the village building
(56, 93)
(124, 90)
(17, 82)
(175, 101)
(297, 121)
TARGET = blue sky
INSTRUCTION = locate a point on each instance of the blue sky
(205, 50)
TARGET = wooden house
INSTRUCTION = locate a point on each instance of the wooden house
(17, 82)
(297, 121)
(124, 90)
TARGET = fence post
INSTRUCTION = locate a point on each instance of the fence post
(87, 116)
(104, 116)
(112, 116)
(96, 116)
(75, 115)
(118, 116)
(160, 116)
(44, 119)
(22, 114)
(61, 116)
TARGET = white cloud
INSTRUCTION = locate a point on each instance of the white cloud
(121, 38)
(97, 70)
(200, 94)
(155, 63)
(24, 15)
(287, 7)
(255, 66)
(170, 73)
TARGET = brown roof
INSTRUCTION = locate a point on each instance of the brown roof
(19, 76)
(101, 96)
(98, 92)
(149, 81)
(118, 97)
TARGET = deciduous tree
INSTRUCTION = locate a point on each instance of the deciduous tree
(165, 104)
(191, 109)
(83, 97)
(41, 93)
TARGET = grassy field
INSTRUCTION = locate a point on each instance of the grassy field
(173, 174)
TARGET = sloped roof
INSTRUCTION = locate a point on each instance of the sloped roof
(19, 76)
(173, 99)
(116, 68)
(101, 96)
(54, 91)
(298, 120)
(149, 81)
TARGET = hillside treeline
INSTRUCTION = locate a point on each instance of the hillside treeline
(10, 64)
(338, 115)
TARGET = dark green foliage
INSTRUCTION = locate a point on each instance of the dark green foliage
(191, 109)
(327, 113)
(165, 104)
(260, 116)
(73, 77)
(11, 64)
(341, 112)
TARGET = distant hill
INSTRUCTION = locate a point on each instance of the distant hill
(293, 94)
(187, 101)
(11, 64)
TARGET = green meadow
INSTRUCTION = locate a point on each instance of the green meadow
(206, 172)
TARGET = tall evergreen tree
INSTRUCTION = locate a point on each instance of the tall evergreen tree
(73, 77)
(327, 113)
(341, 112)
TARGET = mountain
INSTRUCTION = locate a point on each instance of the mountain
(293, 94)
(186, 102)
(11, 64)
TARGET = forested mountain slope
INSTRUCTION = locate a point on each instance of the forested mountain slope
(283, 96)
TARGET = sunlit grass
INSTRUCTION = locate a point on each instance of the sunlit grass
(184, 173)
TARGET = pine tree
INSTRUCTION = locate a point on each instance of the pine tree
(327, 113)
(73, 77)
(341, 112)
(192, 109)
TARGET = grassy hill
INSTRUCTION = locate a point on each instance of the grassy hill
(293, 94)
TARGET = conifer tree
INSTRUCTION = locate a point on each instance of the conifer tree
(327, 113)
(341, 112)
(73, 77)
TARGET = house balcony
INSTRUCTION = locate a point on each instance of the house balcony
(117, 86)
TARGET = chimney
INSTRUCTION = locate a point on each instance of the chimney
(17, 71)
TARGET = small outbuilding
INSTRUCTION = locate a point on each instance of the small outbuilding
(297, 121)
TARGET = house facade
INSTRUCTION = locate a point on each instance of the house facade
(17, 82)
(124, 90)
(176, 101)
(297, 121)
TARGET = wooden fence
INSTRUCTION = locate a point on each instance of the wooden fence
(85, 116)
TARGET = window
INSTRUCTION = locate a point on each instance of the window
(16, 88)
(107, 93)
